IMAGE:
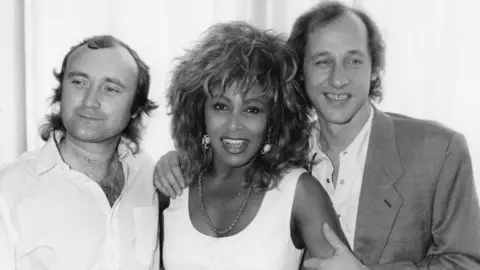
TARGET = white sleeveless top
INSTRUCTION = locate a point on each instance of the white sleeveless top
(264, 244)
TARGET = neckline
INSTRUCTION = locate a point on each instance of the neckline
(239, 234)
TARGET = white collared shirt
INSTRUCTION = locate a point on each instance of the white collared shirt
(57, 218)
(346, 195)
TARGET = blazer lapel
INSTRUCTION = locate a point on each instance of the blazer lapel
(379, 200)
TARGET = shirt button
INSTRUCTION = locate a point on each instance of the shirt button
(328, 180)
(341, 182)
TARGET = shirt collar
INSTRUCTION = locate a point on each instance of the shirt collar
(354, 146)
(362, 137)
(49, 156)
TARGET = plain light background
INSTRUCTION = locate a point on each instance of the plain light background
(433, 57)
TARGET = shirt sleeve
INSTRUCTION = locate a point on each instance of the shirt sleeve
(156, 260)
(8, 238)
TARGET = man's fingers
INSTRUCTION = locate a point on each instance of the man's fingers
(166, 176)
(312, 263)
(157, 183)
(177, 173)
(332, 238)
(174, 172)
(156, 179)
(162, 190)
(161, 182)
(160, 185)
(165, 189)
(173, 181)
(168, 188)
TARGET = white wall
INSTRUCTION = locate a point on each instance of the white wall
(432, 55)
(157, 30)
(12, 139)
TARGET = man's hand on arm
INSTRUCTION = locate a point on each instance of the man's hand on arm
(168, 178)
(342, 259)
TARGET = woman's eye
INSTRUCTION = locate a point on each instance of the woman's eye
(253, 110)
(219, 106)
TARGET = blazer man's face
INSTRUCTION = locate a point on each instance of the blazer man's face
(337, 70)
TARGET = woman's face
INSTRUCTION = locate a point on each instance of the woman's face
(236, 124)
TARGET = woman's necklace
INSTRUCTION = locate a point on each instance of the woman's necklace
(205, 214)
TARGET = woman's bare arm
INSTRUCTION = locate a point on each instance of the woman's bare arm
(312, 207)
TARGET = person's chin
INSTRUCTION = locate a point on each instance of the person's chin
(236, 160)
(87, 135)
(338, 117)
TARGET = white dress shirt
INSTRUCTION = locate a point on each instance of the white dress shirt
(56, 218)
(7, 236)
(346, 195)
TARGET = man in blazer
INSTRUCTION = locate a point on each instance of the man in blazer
(417, 208)
(403, 188)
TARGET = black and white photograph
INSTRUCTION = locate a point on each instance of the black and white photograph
(239, 134)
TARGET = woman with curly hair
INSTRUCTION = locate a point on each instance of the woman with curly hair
(241, 129)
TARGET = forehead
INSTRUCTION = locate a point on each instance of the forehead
(107, 62)
(236, 89)
(346, 33)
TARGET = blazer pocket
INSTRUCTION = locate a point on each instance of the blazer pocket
(406, 237)
(410, 247)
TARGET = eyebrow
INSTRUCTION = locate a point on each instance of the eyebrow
(77, 73)
(115, 81)
(356, 52)
(85, 75)
(261, 99)
(319, 54)
(325, 53)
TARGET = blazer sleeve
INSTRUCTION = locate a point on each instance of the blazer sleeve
(456, 216)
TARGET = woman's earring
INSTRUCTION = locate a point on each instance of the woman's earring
(266, 148)
(205, 143)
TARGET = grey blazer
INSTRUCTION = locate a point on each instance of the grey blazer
(418, 204)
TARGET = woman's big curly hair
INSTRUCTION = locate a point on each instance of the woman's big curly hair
(239, 54)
